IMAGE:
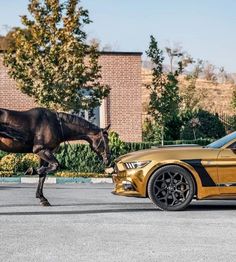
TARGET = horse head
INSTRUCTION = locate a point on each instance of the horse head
(100, 144)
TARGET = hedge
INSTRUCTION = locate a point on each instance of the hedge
(80, 158)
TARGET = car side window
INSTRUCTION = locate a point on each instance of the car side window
(232, 146)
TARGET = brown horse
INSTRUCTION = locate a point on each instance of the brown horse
(40, 131)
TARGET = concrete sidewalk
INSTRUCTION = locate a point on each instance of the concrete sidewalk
(55, 180)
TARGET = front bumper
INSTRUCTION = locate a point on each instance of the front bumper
(128, 182)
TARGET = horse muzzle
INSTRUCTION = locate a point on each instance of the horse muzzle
(107, 160)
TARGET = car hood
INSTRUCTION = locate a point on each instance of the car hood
(170, 153)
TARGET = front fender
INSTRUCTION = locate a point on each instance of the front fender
(202, 190)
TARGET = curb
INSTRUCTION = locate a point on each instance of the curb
(56, 180)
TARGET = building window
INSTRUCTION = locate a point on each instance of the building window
(91, 116)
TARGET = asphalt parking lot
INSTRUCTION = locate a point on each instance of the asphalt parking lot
(88, 223)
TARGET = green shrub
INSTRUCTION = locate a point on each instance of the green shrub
(2, 154)
(79, 158)
(172, 128)
(6, 173)
(209, 126)
(14, 163)
(9, 162)
(231, 123)
(28, 160)
(200, 141)
(151, 131)
(76, 174)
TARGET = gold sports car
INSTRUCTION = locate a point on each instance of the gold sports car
(171, 176)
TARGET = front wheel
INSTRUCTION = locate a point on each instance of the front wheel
(171, 188)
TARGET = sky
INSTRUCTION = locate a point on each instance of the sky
(204, 28)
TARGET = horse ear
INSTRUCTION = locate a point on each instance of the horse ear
(107, 128)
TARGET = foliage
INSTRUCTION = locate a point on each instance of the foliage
(50, 59)
(4, 173)
(190, 97)
(209, 126)
(209, 72)
(199, 141)
(151, 131)
(9, 162)
(164, 91)
(77, 174)
(2, 154)
(176, 53)
(7, 41)
(28, 160)
(79, 158)
(233, 102)
(164, 98)
(173, 128)
(17, 162)
(117, 146)
(231, 123)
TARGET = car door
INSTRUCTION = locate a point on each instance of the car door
(227, 169)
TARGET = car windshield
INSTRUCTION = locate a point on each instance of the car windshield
(222, 141)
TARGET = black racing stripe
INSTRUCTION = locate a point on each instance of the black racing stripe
(203, 174)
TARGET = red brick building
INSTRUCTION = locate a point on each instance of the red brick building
(122, 109)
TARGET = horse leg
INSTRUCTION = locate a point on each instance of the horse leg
(49, 164)
(33, 171)
(48, 157)
(39, 191)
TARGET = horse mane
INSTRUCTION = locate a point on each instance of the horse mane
(76, 120)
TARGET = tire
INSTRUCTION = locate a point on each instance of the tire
(171, 188)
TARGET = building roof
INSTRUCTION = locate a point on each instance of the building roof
(111, 53)
(120, 53)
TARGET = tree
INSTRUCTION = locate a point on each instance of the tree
(151, 131)
(203, 125)
(51, 60)
(233, 102)
(190, 96)
(7, 41)
(209, 71)
(173, 53)
(164, 91)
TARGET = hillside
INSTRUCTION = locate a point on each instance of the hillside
(217, 97)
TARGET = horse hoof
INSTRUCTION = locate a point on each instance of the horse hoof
(45, 203)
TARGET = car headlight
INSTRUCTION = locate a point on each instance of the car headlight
(136, 164)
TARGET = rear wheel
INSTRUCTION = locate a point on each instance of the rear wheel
(171, 188)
